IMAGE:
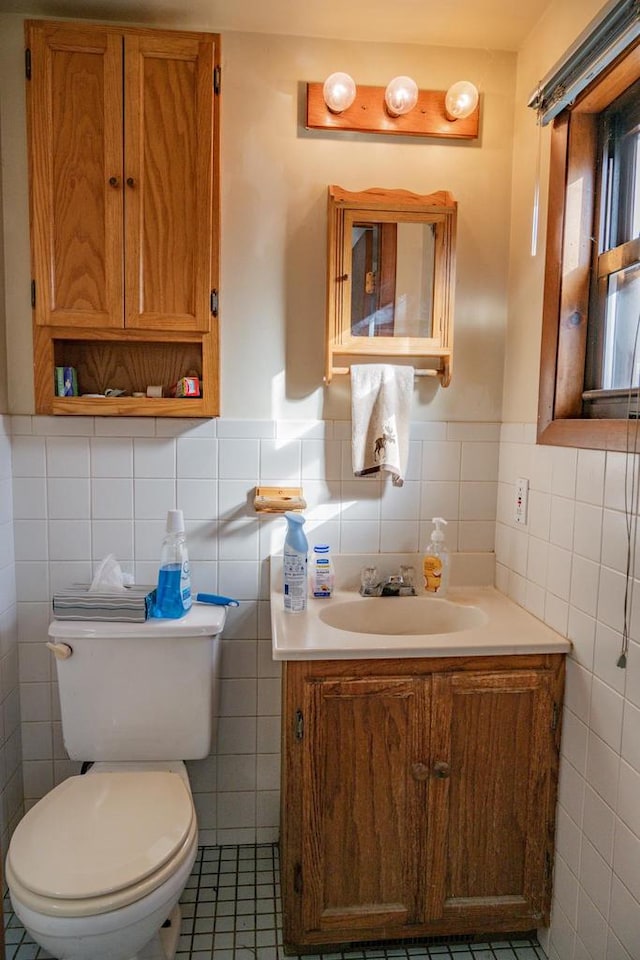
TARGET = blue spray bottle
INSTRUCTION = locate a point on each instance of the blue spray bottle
(173, 595)
(295, 553)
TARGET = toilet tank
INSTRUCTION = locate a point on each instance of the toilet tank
(140, 691)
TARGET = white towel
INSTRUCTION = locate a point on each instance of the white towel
(380, 414)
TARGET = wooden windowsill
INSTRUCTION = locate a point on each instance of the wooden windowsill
(590, 434)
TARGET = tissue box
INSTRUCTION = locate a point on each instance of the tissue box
(133, 605)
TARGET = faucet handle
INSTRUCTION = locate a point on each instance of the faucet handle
(408, 575)
(368, 581)
(369, 576)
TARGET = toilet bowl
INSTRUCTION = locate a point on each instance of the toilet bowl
(97, 867)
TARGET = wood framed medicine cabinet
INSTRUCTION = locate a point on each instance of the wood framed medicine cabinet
(390, 279)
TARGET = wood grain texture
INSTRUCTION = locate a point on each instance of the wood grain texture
(168, 135)
(378, 205)
(578, 259)
(108, 203)
(360, 857)
(375, 843)
(499, 742)
(368, 114)
(75, 147)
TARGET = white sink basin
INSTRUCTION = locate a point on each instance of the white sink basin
(469, 621)
(402, 616)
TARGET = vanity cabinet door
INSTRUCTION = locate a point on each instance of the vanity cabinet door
(418, 797)
(491, 808)
(357, 771)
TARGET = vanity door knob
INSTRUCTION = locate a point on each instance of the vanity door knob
(419, 771)
(131, 182)
(441, 770)
(114, 182)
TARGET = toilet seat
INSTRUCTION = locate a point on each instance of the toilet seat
(99, 842)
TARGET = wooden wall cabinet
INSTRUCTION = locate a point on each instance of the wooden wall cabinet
(418, 797)
(123, 150)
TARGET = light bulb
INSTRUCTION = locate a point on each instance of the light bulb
(339, 92)
(461, 100)
(401, 95)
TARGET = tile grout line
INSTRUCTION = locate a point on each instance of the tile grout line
(258, 864)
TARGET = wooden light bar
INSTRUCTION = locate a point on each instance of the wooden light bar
(368, 114)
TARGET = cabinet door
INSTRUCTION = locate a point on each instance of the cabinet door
(363, 794)
(491, 799)
(75, 146)
(168, 181)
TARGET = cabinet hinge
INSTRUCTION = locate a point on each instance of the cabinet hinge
(27, 63)
(554, 717)
(214, 303)
(33, 294)
(297, 878)
(217, 79)
(299, 725)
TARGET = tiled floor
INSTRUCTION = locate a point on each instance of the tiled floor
(231, 911)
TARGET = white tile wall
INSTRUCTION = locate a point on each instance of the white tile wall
(30, 458)
(596, 909)
(86, 488)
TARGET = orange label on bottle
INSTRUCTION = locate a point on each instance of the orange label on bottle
(432, 569)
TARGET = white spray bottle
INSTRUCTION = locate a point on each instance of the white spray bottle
(295, 553)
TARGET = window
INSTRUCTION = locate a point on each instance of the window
(591, 321)
(613, 347)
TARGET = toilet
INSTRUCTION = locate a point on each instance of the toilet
(96, 868)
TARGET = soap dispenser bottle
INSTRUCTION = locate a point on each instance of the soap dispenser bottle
(435, 564)
(295, 553)
(173, 594)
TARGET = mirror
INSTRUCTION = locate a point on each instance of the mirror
(392, 272)
(390, 278)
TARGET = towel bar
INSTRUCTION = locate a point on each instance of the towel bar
(443, 371)
(418, 373)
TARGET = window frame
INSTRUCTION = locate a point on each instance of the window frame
(573, 154)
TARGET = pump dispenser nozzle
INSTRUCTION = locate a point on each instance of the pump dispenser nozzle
(437, 533)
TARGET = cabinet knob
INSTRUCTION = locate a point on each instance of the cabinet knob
(419, 771)
(114, 181)
(441, 770)
(131, 182)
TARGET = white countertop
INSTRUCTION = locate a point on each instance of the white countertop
(304, 636)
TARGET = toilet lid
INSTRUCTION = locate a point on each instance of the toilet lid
(100, 833)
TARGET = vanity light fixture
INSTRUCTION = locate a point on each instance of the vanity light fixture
(399, 108)
(339, 92)
(461, 100)
(400, 96)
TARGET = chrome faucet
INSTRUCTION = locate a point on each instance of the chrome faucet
(398, 585)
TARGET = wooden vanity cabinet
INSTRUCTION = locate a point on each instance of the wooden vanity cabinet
(123, 148)
(418, 797)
